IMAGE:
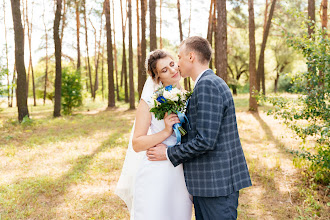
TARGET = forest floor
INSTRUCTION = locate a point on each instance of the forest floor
(67, 168)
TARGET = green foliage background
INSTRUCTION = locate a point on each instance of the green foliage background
(308, 116)
(71, 90)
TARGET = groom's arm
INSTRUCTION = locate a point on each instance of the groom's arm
(210, 109)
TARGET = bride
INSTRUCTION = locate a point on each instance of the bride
(154, 189)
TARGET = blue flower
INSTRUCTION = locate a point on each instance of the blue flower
(161, 99)
(168, 88)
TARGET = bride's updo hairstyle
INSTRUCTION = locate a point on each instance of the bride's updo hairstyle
(151, 62)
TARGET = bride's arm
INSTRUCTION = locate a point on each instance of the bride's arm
(141, 141)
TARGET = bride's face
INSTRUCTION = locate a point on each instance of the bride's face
(168, 71)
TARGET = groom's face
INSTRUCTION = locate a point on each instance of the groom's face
(184, 61)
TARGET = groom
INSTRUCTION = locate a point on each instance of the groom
(214, 164)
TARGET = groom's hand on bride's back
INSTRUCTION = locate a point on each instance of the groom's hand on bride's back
(157, 152)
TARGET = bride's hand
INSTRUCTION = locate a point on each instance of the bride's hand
(170, 120)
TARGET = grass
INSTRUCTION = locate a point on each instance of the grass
(67, 168)
(63, 168)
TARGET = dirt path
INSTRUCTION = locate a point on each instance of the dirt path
(273, 174)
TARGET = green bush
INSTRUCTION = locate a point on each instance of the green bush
(3, 73)
(243, 89)
(26, 122)
(3, 88)
(49, 94)
(308, 116)
(71, 90)
(284, 83)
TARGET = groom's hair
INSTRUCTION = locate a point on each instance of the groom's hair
(200, 46)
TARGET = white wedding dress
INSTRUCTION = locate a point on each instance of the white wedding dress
(158, 189)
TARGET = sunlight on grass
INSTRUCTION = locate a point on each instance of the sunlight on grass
(68, 167)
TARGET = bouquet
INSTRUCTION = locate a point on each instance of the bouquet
(171, 100)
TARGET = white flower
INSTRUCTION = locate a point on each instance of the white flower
(172, 95)
(154, 97)
(176, 91)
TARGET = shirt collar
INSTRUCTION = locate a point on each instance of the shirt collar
(199, 76)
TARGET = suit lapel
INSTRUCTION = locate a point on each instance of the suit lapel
(206, 73)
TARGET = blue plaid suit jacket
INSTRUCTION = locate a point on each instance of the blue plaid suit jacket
(211, 152)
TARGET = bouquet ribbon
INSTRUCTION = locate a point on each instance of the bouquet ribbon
(176, 126)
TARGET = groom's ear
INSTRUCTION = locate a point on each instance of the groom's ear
(192, 56)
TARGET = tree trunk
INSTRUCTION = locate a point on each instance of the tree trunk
(111, 85)
(29, 28)
(97, 55)
(234, 90)
(58, 52)
(209, 26)
(189, 19)
(276, 81)
(95, 58)
(253, 106)
(46, 59)
(265, 16)
(222, 40)
(19, 60)
(143, 41)
(278, 72)
(179, 19)
(310, 26)
(25, 15)
(324, 21)
(115, 50)
(181, 37)
(6, 49)
(124, 64)
(78, 33)
(188, 78)
(277, 76)
(33, 83)
(153, 22)
(311, 17)
(97, 49)
(88, 61)
(324, 16)
(210, 30)
(262, 77)
(261, 63)
(102, 72)
(85, 68)
(235, 86)
(12, 88)
(140, 83)
(239, 73)
(46, 71)
(160, 25)
(189, 85)
(215, 31)
(124, 71)
(63, 20)
(130, 58)
(123, 29)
